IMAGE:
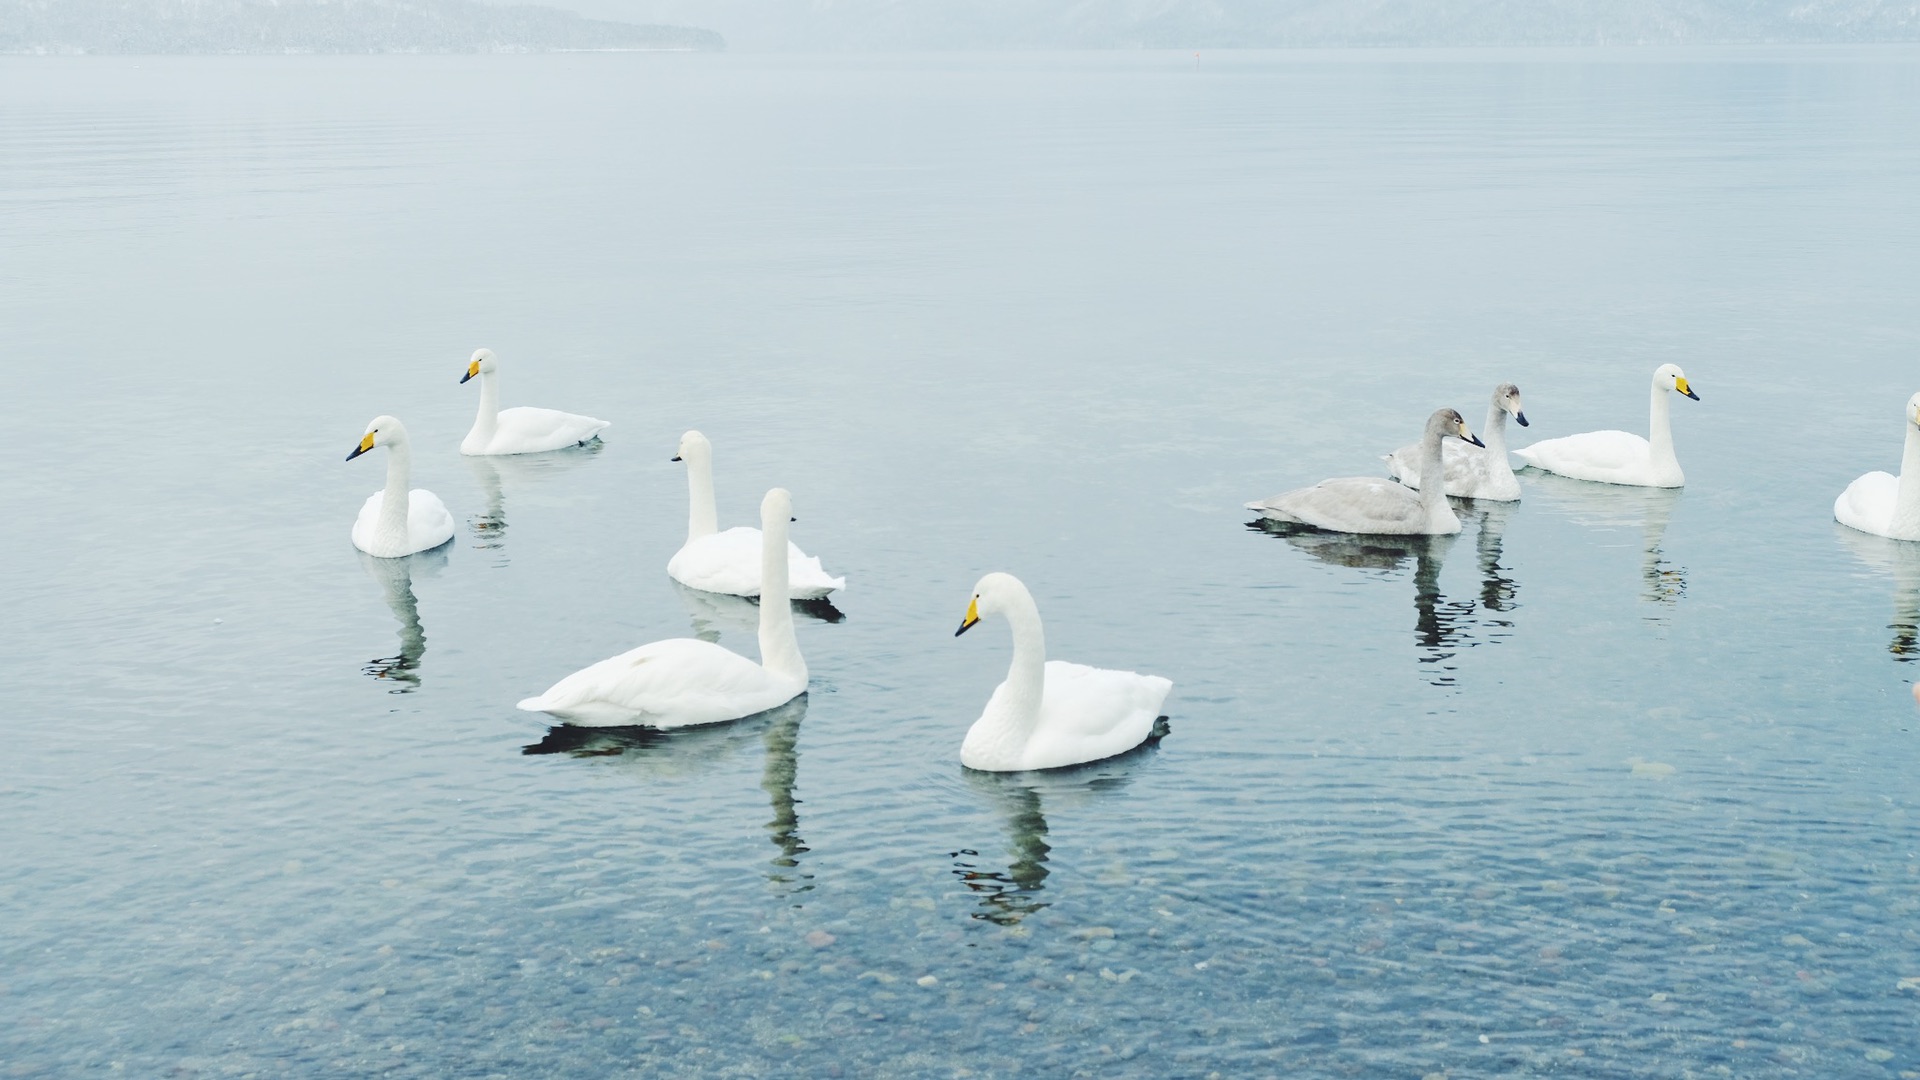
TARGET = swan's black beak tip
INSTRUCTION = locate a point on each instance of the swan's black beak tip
(467, 376)
(1475, 440)
(1692, 395)
(675, 457)
(357, 451)
(1520, 418)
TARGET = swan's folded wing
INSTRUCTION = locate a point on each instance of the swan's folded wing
(1589, 452)
(1355, 504)
(678, 682)
(1089, 713)
(545, 429)
(429, 524)
(729, 562)
(1867, 504)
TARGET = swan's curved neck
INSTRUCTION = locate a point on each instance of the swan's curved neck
(1906, 501)
(394, 501)
(1027, 677)
(488, 418)
(702, 518)
(1494, 432)
(779, 648)
(1660, 429)
(1433, 494)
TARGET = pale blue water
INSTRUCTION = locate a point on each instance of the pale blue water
(1616, 783)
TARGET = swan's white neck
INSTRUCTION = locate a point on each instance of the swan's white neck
(1660, 431)
(779, 648)
(702, 518)
(487, 420)
(1433, 492)
(394, 501)
(1027, 677)
(1906, 501)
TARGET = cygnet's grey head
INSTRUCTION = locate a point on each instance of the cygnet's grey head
(990, 596)
(694, 447)
(1670, 377)
(480, 364)
(381, 431)
(1447, 422)
(1507, 396)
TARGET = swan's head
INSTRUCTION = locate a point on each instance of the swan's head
(1507, 396)
(383, 431)
(776, 510)
(1670, 377)
(1913, 410)
(694, 447)
(1448, 423)
(991, 595)
(482, 363)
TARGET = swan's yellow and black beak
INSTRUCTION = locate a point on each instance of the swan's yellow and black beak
(973, 616)
(366, 444)
(1466, 434)
(1680, 384)
(472, 370)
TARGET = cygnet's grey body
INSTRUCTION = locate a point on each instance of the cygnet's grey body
(1374, 505)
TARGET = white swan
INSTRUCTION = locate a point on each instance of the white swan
(1472, 472)
(729, 562)
(681, 682)
(397, 522)
(1376, 506)
(519, 430)
(1050, 713)
(1887, 505)
(1620, 457)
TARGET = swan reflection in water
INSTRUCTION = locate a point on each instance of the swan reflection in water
(656, 754)
(395, 578)
(713, 614)
(494, 472)
(1617, 506)
(1899, 559)
(1442, 626)
(1007, 896)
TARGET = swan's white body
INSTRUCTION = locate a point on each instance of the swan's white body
(521, 430)
(1881, 503)
(682, 682)
(1472, 472)
(1374, 506)
(1621, 457)
(395, 521)
(1049, 713)
(729, 562)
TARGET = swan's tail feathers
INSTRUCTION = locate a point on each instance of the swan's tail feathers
(1525, 454)
(535, 704)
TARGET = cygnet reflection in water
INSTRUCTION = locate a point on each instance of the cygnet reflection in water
(714, 614)
(1615, 506)
(395, 578)
(494, 473)
(1007, 896)
(1899, 559)
(654, 754)
(1442, 627)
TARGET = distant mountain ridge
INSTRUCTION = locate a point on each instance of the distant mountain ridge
(322, 26)
(1187, 24)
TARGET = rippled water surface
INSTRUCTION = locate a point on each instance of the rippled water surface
(1616, 783)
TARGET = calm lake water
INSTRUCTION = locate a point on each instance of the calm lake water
(1617, 783)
